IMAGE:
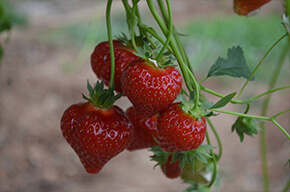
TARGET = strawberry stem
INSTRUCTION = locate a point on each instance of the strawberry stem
(132, 29)
(169, 33)
(259, 64)
(109, 33)
(214, 162)
(217, 138)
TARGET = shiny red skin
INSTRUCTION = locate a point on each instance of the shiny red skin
(144, 130)
(171, 170)
(150, 89)
(244, 7)
(101, 62)
(178, 130)
(95, 134)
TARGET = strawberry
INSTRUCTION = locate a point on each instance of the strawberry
(150, 88)
(101, 61)
(171, 169)
(245, 7)
(179, 130)
(96, 130)
(145, 130)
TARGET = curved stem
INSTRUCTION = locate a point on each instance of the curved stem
(170, 27)
(265, 106)
(175, 35)
(214, 162)
(132, 29)
(280, 127)
(240, 93)
(109, 32)
(281, 113)
(217, 138)
(287, 186)
(267, 92)
(173, 46)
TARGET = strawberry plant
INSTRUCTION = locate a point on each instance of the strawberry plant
(170, 113)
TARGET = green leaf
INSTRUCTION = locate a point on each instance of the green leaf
(246, 126)
(222, 102)
(234, 66)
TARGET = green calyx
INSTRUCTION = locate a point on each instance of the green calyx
(151, 55)
(160, 156)
(190, 107)
(195, 159)
(128, 42)
(100, 97)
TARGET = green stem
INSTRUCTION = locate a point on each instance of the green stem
(217, 138)
(173, 46)
(175, 35)
(267, 53)
(281, 113)
(170, 27)
(242, 114)
(214, 162)
(132, 30)
(236, 101)
(280, 127)
(266, 93)
(109, 32)
(265, 106)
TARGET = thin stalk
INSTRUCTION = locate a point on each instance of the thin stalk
(217, 138)
(242, 114)
(109, 32)
(169, 34)
(214, 162)
(265, 107)
(175, 35)
(236, 101)
(261, 61)
(173, 46)
(132, 30)
(281, 113)
(280, 127)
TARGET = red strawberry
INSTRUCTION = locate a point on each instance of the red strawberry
(96, 134)
(101, 61)
(178, 130)
(144, 130)
(149, 88)
(244, 7)
(171, 170)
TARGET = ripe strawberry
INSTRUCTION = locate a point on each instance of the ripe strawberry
(149, 88)
(178, 130)
(101, 61)
(145, 130)
(171, 170)
(244, 7)
(96, 130)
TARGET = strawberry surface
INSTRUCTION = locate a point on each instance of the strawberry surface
(144, 130)
(101, 61)
(178, 130)
(244, 7)
(96, 134)
(149, 88)
(171, 170)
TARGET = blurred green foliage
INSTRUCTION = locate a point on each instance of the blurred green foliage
(8, 18)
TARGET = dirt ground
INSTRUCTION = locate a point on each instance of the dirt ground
(35, 89)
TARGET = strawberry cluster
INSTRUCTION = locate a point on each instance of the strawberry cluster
(98, 130)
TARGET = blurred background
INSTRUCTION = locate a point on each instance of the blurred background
(46, 65)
